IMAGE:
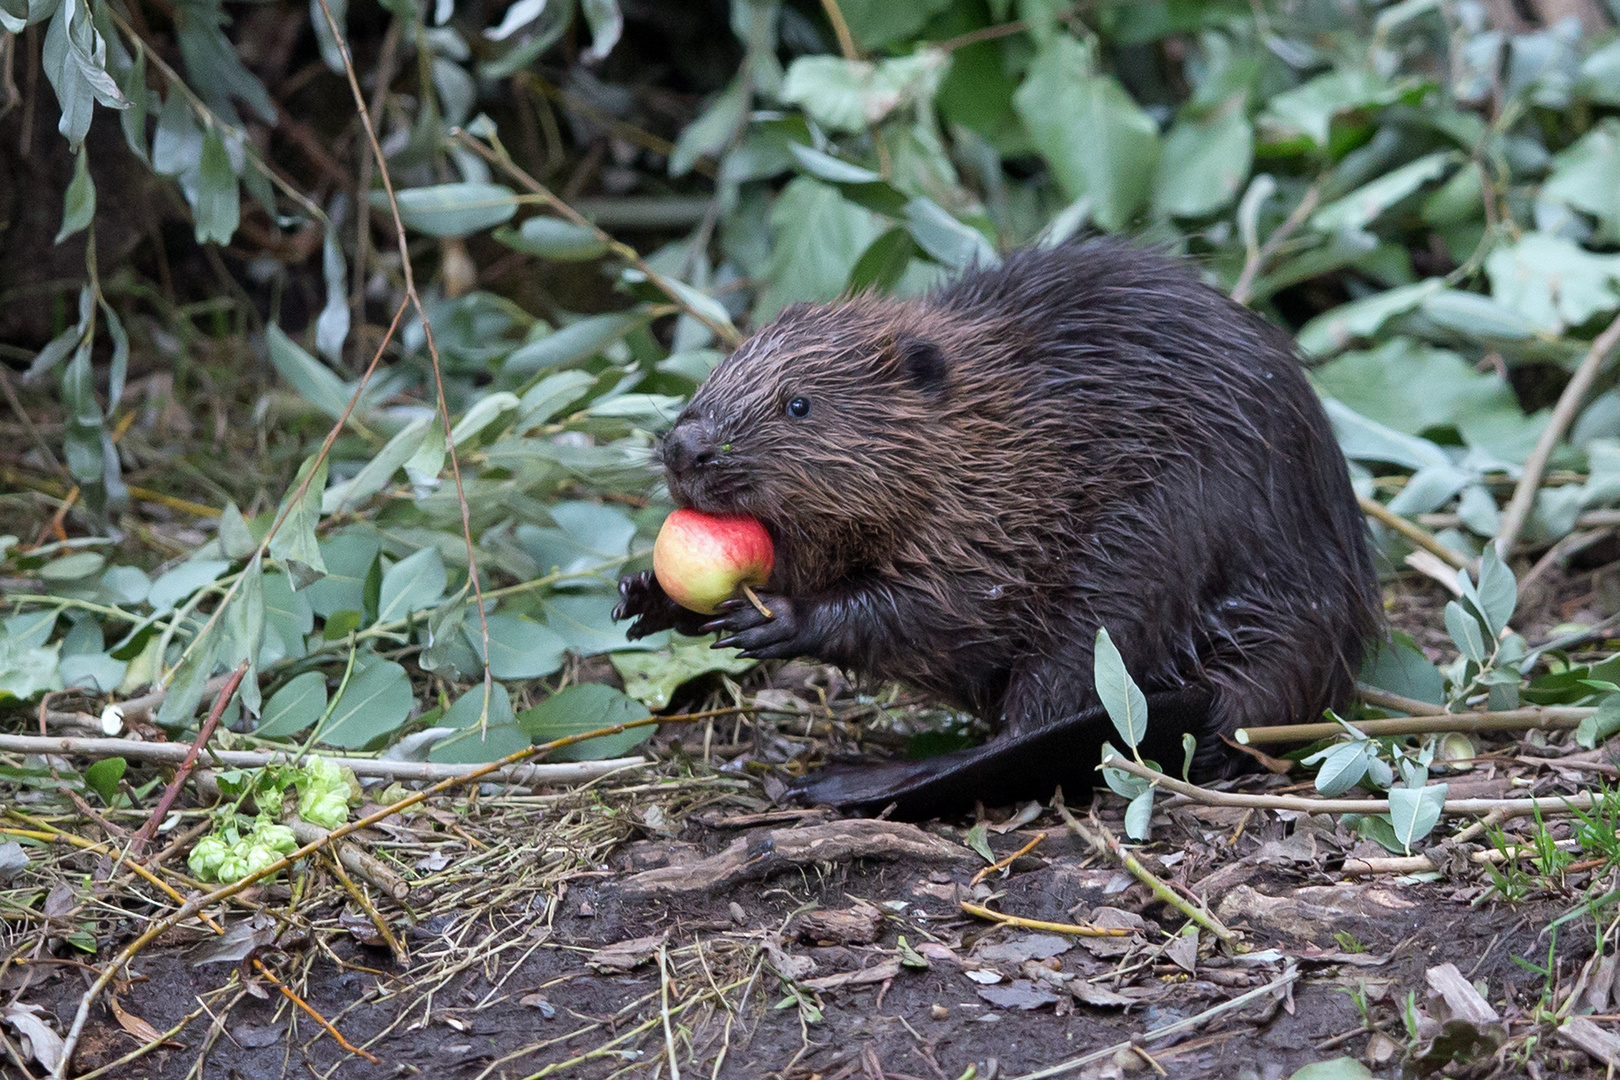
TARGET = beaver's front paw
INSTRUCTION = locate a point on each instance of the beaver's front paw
(782, 636)
(643, 599)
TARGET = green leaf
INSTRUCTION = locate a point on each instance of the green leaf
(376, 701)
(1593, 731)
(1498, 591)
(1402, 669)
(855, 95)
(295, 707)
(294, 544)
(1586, 176)
(1333, 330)
(712, 131)
(1343, 766)
(415, 582)
(234, 535)
(171, 588)
(190, 678)
(576, 341)
(817, 237)
(1138, 815)
(1098, 142)
(458, 209)
(103, 776)
(883, 262)
(1204, 162)
(501, 735)
(550, 396)
(1124, 700)
(332, 324)
(585, 625)
(653, 677)
(876, 23)
(74, 567)
(1414, 812)
(606, 23)
(1464, 630)
(79, 205)
(245, 618)
(554, 239)
(314, 381)
(978, 838)
(1552, 282)
(349, 557)
(587, 536)
(1367, 203)
(948, 240)
(1310, 108)
(217, 208)
(377, 473)
(519, 648)
(582, 708)
(1413, 388)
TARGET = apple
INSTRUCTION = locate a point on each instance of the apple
(702, 559)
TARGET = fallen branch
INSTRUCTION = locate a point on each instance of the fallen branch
(1418, 864)
(1547, 718)
(1508, 808)
(758, 855)
(1076, 929)
(1107, 844)
(1417, 534)
(1563, 414)
(134, 750)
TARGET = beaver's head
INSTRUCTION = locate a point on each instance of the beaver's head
(826, 426)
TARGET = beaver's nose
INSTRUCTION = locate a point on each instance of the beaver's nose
(688, 445)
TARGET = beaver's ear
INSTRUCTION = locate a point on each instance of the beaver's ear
(923, 364)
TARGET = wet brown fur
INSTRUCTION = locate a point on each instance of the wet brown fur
(1081, 437)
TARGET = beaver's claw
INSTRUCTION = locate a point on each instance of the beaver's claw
(782, 636)
(643, 599)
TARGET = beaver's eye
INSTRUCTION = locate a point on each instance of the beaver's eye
(798, 407)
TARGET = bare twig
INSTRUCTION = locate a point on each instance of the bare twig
(1508, 808)
(1075, 929)
(360, 863)
(187, 763)
(1002, 864)
(1275, 986)
(1563, 414)
(308, 1009)
(1243, 290)
(527, 775)
(1107, 844)
(1385, 699)
(846, 40)
(1417, 534)
(1547, 718)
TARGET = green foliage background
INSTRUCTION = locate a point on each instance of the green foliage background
(1431, 201)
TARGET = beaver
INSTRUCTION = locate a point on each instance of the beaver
(962, 488)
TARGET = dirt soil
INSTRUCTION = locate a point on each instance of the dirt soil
(512, 1018)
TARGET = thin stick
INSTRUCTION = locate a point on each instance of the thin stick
(1385, 699)
(1008, 861)
(1563, 414)
(1243, 290)
(1107, 844)
(362, 864)
(1546, 718)
(846, 40)
(187, 763)
(526, 775)
(663, 1011)
(1076, 929)
(1561, 804)
(196, 904)
(759, 605)
(1420, 536)
(1174, 1028)
(364, 903)
(313, 1015)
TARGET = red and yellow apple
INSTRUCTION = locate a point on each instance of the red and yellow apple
(701, 560)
